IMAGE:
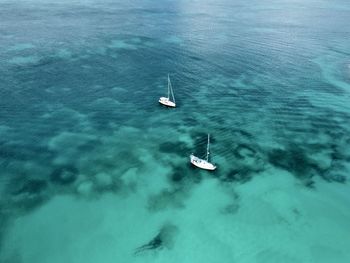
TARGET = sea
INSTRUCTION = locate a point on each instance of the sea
(94, 170)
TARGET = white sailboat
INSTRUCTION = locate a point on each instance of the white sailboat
(203, 163)
(166, 100)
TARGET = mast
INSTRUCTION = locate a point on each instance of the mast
(170, 89)
(168, 86)
(172, 93)
(208, 149)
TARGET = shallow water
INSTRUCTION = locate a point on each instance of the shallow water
(94, 170)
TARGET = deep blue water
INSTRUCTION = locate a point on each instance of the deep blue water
(79, 84)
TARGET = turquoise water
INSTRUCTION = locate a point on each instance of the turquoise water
(92, 169)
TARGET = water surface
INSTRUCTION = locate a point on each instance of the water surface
(94, 170)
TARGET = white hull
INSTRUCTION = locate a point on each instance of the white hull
(166, 102)
(200, 163)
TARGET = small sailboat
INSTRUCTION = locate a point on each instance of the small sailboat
(203, 163)
(166, 100)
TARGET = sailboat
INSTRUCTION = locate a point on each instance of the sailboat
(203, 163)
(166, 100)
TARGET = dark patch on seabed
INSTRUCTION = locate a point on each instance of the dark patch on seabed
(24, 152)
(178, 175)
(190, 121)
(246, 158)
(164, 239)
(241, 175)
(33, 186)
(183, 176)
(179, 148)
(64, 175)
(243, 151)
(297, 160)
(26, 195)
(242, 133)
(292, 159)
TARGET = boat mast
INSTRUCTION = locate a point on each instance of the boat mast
(168, 86)
(208, 149)
(172, 93)
(170, 89)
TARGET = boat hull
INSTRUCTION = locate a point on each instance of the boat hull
(166, 102)
(202, 164)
